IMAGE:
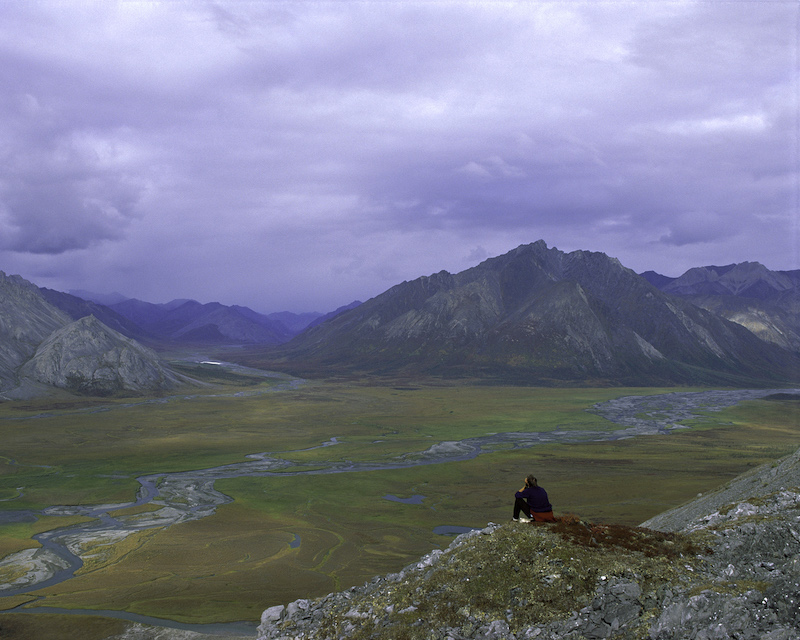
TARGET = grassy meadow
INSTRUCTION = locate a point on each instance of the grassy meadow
(246, 557)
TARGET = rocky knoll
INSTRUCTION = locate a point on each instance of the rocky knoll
(724, 566)
(26, 319)
(89, 358)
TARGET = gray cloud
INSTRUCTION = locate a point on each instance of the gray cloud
(300, 155)
(63, 190)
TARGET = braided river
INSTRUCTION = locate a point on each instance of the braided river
(190, 495)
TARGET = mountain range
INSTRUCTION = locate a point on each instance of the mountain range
(53, 339)
(535, 315)
(766, 302)
(88, 358)
(185, 321)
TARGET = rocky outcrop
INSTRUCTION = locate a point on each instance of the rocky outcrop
(725, 566)
(89, 358)
(753, 485)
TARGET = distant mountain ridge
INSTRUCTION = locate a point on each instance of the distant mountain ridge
(535, 315)
(189, 321)
(541, 316)
(745, 279)
(105, 299)
(765, 302)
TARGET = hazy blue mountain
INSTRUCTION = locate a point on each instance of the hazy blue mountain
(746, 279)
(191, 321)
(295, 322)
(230, 322)
(185, 320)
(536, 315)
(99, 298)
(765, 302)
(76, 308)
(143, 314)
(656, 279)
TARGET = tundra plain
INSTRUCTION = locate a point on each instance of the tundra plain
(300, 533)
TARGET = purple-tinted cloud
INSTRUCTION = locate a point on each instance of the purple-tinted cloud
(300, 155)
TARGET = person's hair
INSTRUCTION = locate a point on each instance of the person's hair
(531, 481)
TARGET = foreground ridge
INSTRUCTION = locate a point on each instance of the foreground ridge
(724, 566)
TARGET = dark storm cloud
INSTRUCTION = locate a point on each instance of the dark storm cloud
(300, 155)
(61, 189)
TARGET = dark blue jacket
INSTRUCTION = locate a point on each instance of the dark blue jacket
(536, 498)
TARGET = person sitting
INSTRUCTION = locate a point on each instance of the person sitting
(532, 500)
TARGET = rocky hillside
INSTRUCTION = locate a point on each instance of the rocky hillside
(26, 319)
(537, 315)
(765, 302)
(87, 357)
(724, 566)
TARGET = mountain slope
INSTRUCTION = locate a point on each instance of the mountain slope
(87, 357)
(763, 301)
(537, 315)
(26, 319)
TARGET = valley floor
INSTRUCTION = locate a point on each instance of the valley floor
(279, 523)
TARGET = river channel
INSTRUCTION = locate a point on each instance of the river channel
(190, 495)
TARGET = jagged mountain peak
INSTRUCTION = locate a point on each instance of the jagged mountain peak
(536, 314)
(15, 280)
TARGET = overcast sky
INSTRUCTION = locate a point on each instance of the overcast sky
(300, 155)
